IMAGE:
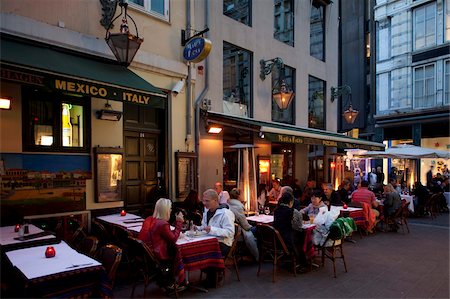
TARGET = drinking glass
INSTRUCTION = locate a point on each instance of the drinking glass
(267, 210)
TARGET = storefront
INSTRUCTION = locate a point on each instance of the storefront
(64, 104)
(283, 151)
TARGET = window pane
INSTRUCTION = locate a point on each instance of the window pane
(236, 80)
(425, 26)
(157, 6)
(238, 10)
(41, 116)
(72, 125)
(447, 83)
(138, 2)
(284, 21)
(317, 32)
(316, 108)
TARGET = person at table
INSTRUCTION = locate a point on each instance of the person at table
(236, 204)
(331, 197)
(224, 196)
(275, 192)
(421, 196)
(316, 203)
(288, 189)
(392, 200)
(364, 195)
(193, 207)
(283, 217)
(218, 220)
(156, 232)
(344, 191)
(307, 192)
(262, 196)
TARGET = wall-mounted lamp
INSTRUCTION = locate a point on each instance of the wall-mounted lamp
(123, 44)
(214, 129)
(108, 113)
(282, 93)
(350, 114)
(5, 103)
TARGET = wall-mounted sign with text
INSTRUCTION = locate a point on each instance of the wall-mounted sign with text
(197, 49)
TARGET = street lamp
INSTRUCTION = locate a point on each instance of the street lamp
(282, 93)
(350, 114)
(123, 44)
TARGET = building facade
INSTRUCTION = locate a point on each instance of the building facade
(60, 75)
(412, 77)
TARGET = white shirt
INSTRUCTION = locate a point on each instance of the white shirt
(223, 197)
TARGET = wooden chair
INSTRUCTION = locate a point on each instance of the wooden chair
(99, 230)
(78, 236)
(110, 256)
(231, 256)
(331, 247)
(88, 246)
(432, 205)
(272, 244)
(399, 217)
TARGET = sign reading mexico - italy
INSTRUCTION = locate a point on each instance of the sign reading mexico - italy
(197, 49)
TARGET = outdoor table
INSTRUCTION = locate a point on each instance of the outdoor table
(308, 245)
(10, 240)
(261, 218)
(127, 221)
(68, 274)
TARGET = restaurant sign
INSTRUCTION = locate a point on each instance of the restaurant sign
(75, 86)
(317, 141)
(197, 49)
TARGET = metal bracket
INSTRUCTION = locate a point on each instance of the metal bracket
(108, 11)
(340, 91)
(267, 66)
(184, 40)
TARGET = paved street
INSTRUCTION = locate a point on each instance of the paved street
(384, 265)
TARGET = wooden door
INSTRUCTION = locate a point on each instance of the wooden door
(141, 169)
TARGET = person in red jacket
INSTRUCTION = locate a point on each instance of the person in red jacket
(156, 232)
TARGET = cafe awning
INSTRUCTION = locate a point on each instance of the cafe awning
(56, 68)
(284, 133)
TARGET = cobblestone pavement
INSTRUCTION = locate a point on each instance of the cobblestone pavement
(383, 265)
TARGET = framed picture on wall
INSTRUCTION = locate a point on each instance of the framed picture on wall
(186, 173)
(108, 174)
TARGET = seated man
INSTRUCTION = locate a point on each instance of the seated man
(331, 196)
(218, 221)
(223, 195)
(363, 194)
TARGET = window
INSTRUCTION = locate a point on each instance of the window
(447, 83)
(287, 115)
(55, 122)
(399, 89)
(447, 20)
(284, 21)
(424, 86)
(316, 103)
(157, 8)
(425, 26)
(240, 10)
(237, 88)
(383, 40)
(383, 91)
(317, 32)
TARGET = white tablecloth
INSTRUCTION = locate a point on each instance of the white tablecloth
(134, 220)
(341, 208)
(262, 218)
(7, 235)
(410, 200)
(33, 263)
(183, 238)
(447, 198)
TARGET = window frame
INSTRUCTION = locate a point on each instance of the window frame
(30, 94)
(424, 6)
(292, 12)
(446, 86)
(414, 104)
(146, 8)
(324, 110)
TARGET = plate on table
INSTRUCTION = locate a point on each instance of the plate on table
(197, 233)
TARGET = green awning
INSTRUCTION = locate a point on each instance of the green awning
(284, 133)
(37, 64)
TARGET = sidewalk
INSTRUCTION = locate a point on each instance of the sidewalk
(384, 265)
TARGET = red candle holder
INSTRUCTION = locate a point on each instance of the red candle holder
(345, 206)
(16, 228)
(50, 252)
(123, 213)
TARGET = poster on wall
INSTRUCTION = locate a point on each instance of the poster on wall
(108, 174)
(36, 184)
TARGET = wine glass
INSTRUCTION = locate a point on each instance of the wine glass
(267, 210)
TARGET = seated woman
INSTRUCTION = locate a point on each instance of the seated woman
(157, 234)
(193, 207)
(392, 200)
(236, 203)
(316, 203)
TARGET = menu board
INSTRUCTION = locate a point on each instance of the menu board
(108, 174)
(186, 173)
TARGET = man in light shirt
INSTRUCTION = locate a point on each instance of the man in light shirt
(223, 195)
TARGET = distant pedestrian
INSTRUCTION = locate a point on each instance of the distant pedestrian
(430, 177)
(380, 175)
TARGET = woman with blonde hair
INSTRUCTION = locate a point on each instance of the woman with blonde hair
(156, 230)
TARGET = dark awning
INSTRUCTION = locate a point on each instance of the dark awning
(53, 67)
(283, 133)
